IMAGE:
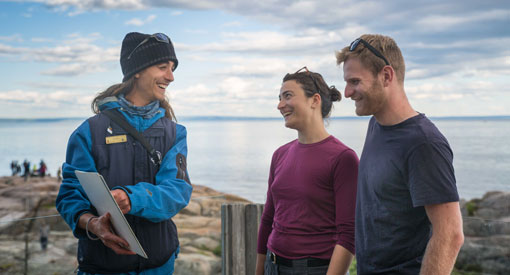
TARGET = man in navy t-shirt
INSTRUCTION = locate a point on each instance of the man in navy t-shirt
(408, 218)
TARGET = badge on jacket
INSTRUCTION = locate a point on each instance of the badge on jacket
(116, 139)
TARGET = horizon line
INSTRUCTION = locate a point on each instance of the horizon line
(216, 117)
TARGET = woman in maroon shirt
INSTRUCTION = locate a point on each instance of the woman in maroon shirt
(308, 221)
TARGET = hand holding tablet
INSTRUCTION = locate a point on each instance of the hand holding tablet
(100, 196)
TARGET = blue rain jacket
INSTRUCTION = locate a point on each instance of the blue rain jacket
(156, 193)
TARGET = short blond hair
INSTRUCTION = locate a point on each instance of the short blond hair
(385, 45)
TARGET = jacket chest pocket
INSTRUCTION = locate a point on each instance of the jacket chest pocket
(182, 173)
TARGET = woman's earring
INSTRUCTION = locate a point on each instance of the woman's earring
(137, 76)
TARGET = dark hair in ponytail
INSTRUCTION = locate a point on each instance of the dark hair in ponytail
(328, 94)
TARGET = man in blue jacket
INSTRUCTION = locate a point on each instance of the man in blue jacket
(148, 193)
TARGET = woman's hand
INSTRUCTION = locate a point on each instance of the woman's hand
(102, 228)
(259, 268)
(122, 200)
(340, 261)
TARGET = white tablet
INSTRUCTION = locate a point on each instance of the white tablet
(99, 195)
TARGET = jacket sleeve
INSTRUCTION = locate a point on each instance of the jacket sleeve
(172, 191)
(72, 201)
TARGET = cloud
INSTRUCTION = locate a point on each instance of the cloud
(9, 50)
(231, 96)
(63, 86)
(274, 68)
(19, 96)
(141, 22)
(25, 103)
(83, 5)
(454, 50)
(41, 40)
(82, 53)
(37, 98)
(12, 38)
(135, 22)
(272, 42)
(415, 21)
(439, 22)
(440, 89)
(74, 55)
(232, 24)
(73, 69)
(196, 31)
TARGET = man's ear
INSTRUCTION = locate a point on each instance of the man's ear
(388, 75)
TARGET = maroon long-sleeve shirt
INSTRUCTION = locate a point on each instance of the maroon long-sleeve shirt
(311, 200)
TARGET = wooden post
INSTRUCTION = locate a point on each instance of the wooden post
(239, 230)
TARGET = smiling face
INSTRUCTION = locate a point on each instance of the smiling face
(362, 87)
(295, 107)
(151, 84)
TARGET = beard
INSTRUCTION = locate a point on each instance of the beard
(373, 100)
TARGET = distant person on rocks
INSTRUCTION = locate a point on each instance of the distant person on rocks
(59, 174)
(26, 171)
(35, 171)
(44, 232)
(14, 167)
(149, 187)
(307, 225)
(408, 218)
(42, 169)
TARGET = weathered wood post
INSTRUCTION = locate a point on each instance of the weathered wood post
(239, 227)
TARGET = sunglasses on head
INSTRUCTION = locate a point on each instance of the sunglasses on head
(160, 37)
(377, 53)
(305, 69)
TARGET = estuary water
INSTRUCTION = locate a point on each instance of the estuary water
(233, 154)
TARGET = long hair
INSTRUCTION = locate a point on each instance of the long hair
(124, 88)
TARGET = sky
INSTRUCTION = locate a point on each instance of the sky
(56, 55)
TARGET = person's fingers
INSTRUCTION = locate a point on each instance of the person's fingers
(104, 230)
(116, 243)
(119, 195)
(123, 207)
(119, 249)
(107, 232)
(122, 200)
(102, 225)
(111, 237)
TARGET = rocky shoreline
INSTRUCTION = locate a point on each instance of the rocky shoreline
(486, 248)
(199, 227)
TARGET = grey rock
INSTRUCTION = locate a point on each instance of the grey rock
(487, 235)
(205, 243)
(187, 264)
(199, 230)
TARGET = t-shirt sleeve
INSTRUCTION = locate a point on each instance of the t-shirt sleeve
(431, 174)
(266, 223)
(345, 184)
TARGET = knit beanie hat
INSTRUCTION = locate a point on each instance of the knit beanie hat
(134, 57)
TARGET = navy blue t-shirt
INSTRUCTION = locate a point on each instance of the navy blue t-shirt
(402, 168)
